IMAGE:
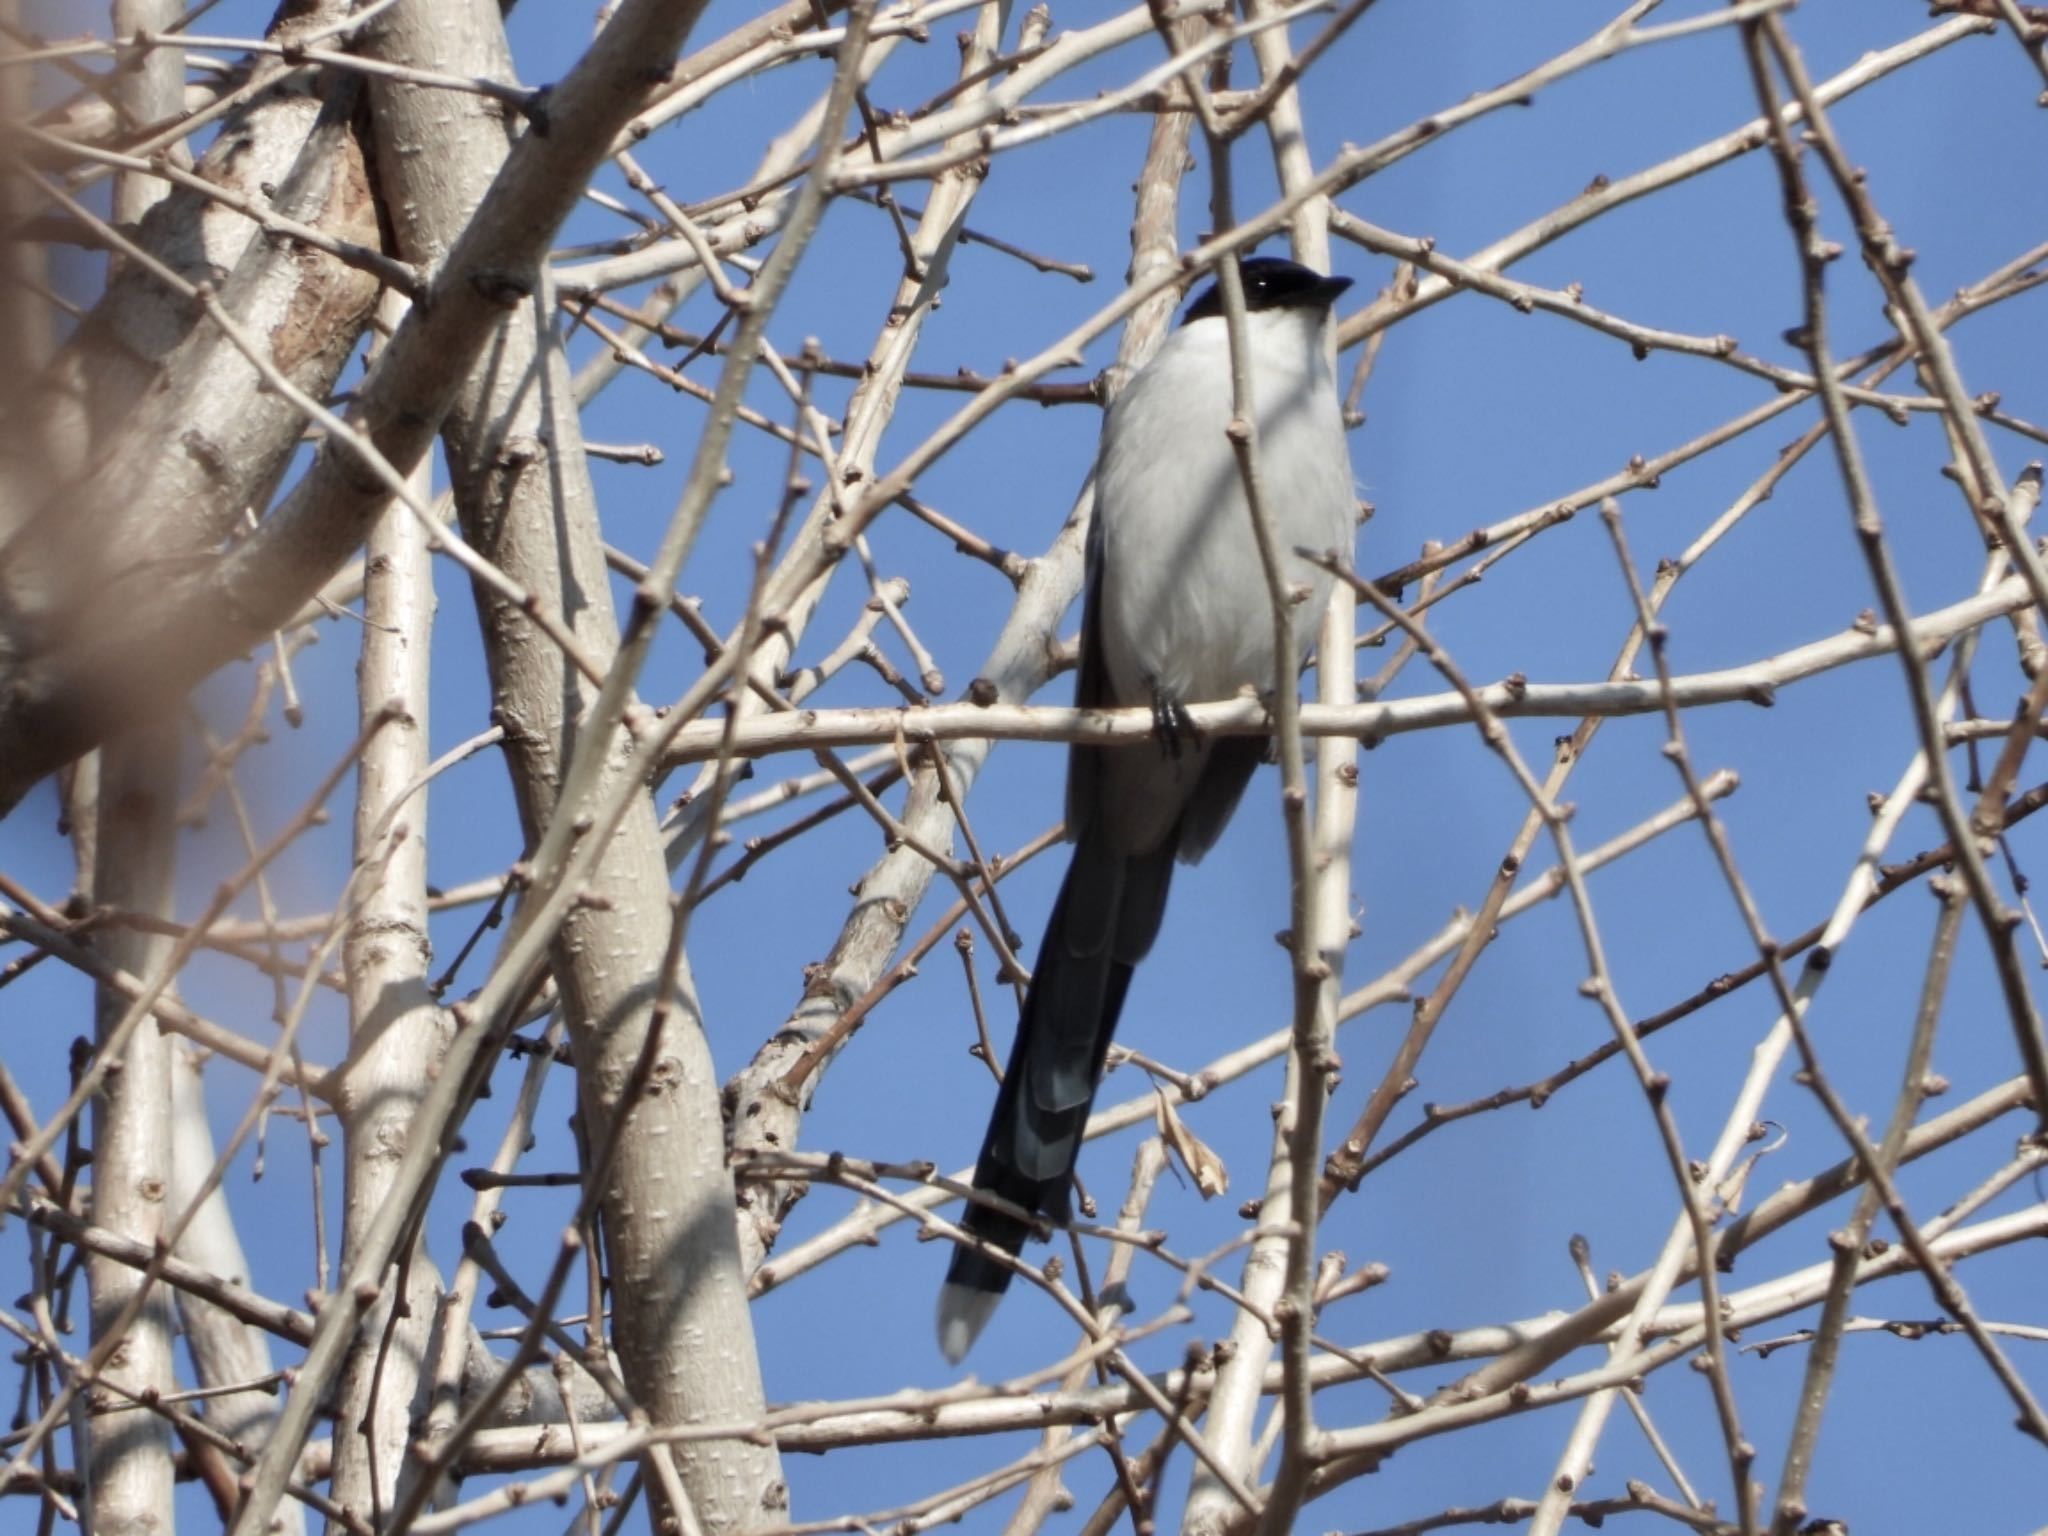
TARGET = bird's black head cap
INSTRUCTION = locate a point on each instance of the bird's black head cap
(1273, 282)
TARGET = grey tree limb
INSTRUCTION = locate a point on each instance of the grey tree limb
(524, 500)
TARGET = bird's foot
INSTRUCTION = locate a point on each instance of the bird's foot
(1172, 726)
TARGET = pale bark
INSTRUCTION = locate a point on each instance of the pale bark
(225, 1349)
(65, 698)
(146, 393)
(680, 1324)
(28, 330)
(127, 1456)
(151, 89)
(494, 260)
(128, 1468)
(396, 1030)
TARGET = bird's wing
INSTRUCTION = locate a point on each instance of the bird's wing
(1091, 691)
(1231, 761)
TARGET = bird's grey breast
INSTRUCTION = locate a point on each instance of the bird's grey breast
(1183, 601)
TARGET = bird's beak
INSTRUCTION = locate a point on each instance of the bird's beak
(1331, 289)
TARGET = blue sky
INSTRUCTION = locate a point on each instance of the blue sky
(1474, 413)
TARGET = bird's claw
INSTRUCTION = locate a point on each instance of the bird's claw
(1171, 724)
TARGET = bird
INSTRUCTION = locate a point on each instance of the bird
(1176, 612)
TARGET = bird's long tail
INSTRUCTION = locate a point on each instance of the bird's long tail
(1101, 925)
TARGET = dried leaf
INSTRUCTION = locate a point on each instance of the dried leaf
(1730, 1190)
(1200, 1160)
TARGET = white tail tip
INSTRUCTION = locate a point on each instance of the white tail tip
(963, 1312)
